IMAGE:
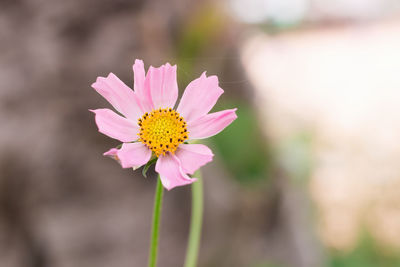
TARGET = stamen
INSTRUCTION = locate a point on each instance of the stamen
(162, 130)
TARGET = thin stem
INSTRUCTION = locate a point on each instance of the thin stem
(195, 223)
(156, 224)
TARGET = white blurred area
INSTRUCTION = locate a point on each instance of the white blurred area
(341, 86)
(294, 11)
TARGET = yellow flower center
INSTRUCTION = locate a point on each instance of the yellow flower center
(162, 130)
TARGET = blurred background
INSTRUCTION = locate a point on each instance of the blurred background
(307, 176)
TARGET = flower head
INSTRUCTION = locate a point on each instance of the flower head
(151, 126)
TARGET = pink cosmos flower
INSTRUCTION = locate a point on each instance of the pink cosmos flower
(152, 128)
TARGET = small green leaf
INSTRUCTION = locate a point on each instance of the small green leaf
(147, 166)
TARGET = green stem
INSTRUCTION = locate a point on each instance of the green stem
(195, 223)
(156, 224)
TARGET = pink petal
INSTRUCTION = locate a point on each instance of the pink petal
(133, 155)
(199, 97)
(120, 96)
(163, 86)
(171, 173)
(112, 153)
(115, 126)
(211, 124)
(139, 86)
(193, 156)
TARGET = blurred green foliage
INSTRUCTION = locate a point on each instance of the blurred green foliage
(366, 254)
(294, 156)
(242, 147)
(198, 34)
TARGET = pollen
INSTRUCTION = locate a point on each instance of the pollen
(162, 130)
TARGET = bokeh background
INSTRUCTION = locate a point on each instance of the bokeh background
(307, 176)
